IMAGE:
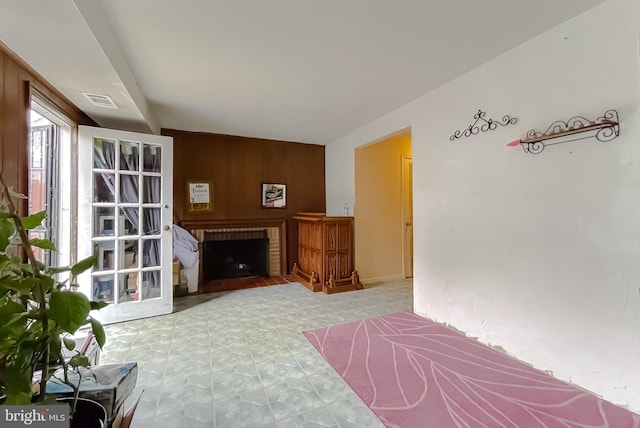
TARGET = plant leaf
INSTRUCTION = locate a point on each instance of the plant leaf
(69, 309)
(45, 244)
(13, 318)
(17, 285)
(83, 265)
(7, 229)
(98, 332)
(9, 308)
(15, 194)
(15, 397)
(96, 306)
(56, 270)
(55, 346)
(15, 323)
(29, 284)
(69, 343)
(17, 386)
(34, 220)
(79, 360)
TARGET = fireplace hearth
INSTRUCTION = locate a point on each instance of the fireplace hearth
(235, 254)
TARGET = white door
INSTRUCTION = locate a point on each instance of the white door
(125, 194)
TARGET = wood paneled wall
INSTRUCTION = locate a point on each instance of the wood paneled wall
(16, 79)
(238, 166)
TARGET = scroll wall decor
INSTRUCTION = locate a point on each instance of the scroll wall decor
(483, 124)
(604, 128)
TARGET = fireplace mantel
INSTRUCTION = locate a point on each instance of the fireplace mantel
(198, 227)
(219, 224)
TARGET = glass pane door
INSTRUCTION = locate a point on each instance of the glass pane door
(126, 200)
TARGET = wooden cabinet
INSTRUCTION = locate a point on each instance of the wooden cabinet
(325, 253)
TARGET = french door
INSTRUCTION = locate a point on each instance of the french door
(124, 217)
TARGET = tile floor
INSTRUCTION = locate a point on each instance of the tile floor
(238, 359)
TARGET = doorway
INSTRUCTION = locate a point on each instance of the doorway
(383, 207)
(49, 185)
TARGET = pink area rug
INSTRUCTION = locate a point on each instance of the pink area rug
(413, 372)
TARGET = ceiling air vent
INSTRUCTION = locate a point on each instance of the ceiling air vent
(100, 100)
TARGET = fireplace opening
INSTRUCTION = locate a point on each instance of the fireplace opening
(235, 254)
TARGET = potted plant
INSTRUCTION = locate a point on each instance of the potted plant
(36, 310)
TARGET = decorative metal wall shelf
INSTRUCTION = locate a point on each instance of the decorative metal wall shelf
(604, 128)
(484, 125)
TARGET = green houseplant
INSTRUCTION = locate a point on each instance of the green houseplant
(36, 309)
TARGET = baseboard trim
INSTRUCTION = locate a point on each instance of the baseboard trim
(381, 279)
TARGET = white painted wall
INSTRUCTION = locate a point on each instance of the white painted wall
(539, 254)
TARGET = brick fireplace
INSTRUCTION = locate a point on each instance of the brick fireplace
(273, 229)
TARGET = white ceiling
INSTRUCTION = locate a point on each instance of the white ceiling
(296, 70)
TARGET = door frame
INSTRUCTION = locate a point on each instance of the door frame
(407, 216)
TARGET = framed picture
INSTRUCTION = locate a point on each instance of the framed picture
(274, 195)
(199, 196)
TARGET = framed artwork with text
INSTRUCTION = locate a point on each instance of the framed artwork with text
(199, 196)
